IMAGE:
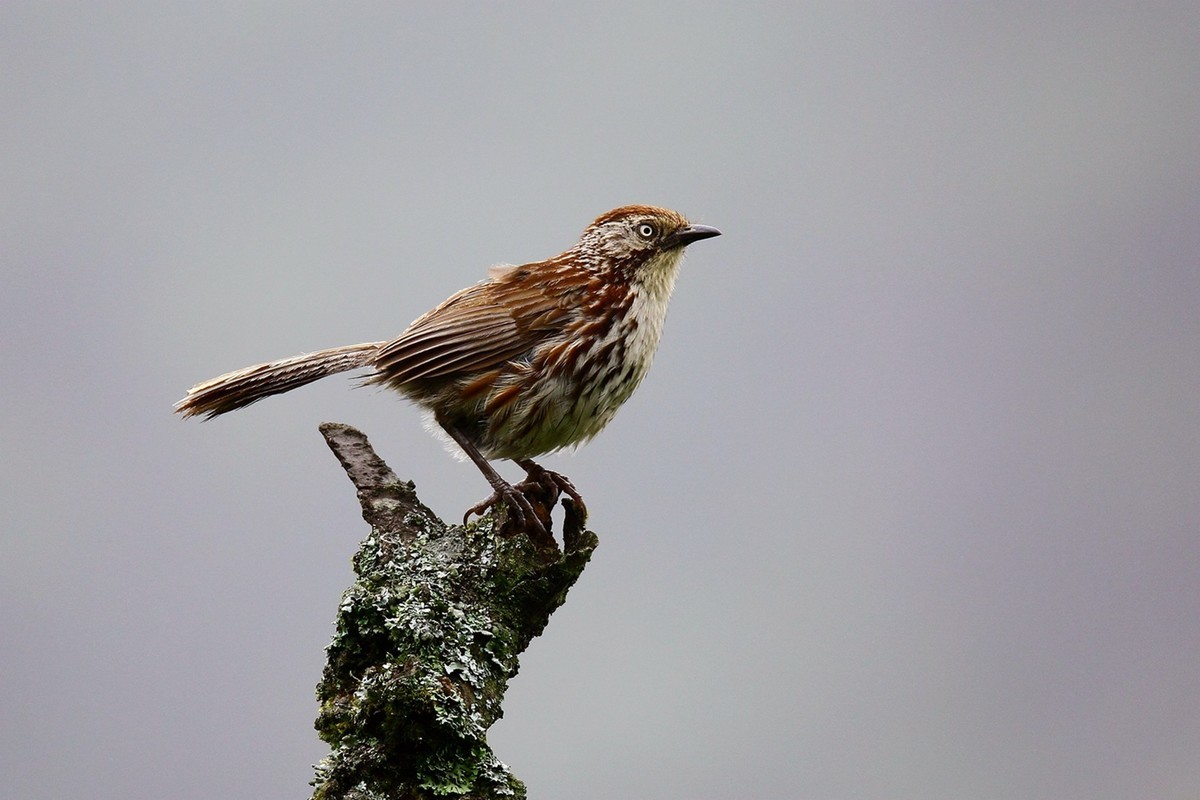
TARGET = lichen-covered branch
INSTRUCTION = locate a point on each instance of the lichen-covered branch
(427, 638)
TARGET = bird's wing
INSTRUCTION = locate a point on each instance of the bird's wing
(476, 329)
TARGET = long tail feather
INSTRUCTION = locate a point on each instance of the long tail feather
(240, 388)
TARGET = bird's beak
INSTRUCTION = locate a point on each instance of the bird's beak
(692, 233)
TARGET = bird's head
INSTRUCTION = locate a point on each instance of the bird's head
(642, 231)
(640, 239)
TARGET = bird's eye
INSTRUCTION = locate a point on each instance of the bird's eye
(646, 230)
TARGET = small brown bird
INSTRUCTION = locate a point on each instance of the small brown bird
(534, 359)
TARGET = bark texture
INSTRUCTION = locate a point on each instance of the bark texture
(428, 637)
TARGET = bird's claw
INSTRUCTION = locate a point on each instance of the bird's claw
(530, 502)
(554, 484)
(521, 511)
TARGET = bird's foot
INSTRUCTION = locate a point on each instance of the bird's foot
(553, 484)
(522, 515)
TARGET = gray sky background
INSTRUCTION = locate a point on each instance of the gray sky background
(907, 508)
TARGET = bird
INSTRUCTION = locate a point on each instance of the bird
(534, 359)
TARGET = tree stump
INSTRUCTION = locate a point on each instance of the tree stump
(428, 637)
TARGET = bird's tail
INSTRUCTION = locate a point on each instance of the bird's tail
(240, 388)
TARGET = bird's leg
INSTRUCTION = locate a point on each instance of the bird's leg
(554, 482)
(518, 505)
